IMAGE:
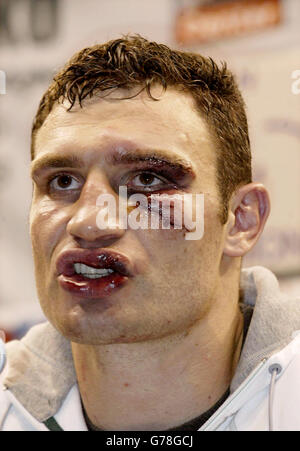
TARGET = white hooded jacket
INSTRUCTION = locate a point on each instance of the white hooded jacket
(39, 392)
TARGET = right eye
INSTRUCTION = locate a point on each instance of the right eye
(64, 182)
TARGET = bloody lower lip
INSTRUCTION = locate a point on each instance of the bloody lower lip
(92, 288)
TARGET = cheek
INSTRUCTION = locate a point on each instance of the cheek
(213, 227)
(169, 213)
(170, 250)
(47, 222)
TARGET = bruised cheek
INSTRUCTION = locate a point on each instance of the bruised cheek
(166, 211)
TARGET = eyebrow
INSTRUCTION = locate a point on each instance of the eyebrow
(48, 162)
(154, 158)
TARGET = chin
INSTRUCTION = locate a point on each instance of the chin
(98, 329)
(96, 338)
(106, 331)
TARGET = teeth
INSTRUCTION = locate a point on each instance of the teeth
(91, 273)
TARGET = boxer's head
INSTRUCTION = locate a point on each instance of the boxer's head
(137, 63)
(133, 112)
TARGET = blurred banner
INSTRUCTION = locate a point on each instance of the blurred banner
(274, 122)
(260, 40)
(201, 24)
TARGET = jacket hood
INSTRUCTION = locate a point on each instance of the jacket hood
(275, 318)
(40, 370)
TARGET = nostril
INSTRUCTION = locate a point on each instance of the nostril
(83, 230)
(84, 225)
(105, 240)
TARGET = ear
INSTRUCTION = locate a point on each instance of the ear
(250, 208)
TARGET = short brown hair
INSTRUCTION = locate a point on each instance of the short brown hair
(134, 61)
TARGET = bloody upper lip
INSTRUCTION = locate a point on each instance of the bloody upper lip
(97, 258)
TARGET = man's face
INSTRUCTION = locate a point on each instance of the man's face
(166, 283)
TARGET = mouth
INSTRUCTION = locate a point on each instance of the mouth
(92, 274)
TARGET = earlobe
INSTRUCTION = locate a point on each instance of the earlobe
(250, 208)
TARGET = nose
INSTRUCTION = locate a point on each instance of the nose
(83, 225)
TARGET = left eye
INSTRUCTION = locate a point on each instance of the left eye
(146, 179)
(64, 182)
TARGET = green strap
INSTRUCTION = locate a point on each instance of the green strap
(52, 425)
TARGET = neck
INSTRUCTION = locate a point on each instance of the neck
(163, 383)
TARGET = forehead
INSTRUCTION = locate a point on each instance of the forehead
(172, 123)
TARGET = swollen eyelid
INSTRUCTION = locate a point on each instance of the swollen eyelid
(146, 180)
